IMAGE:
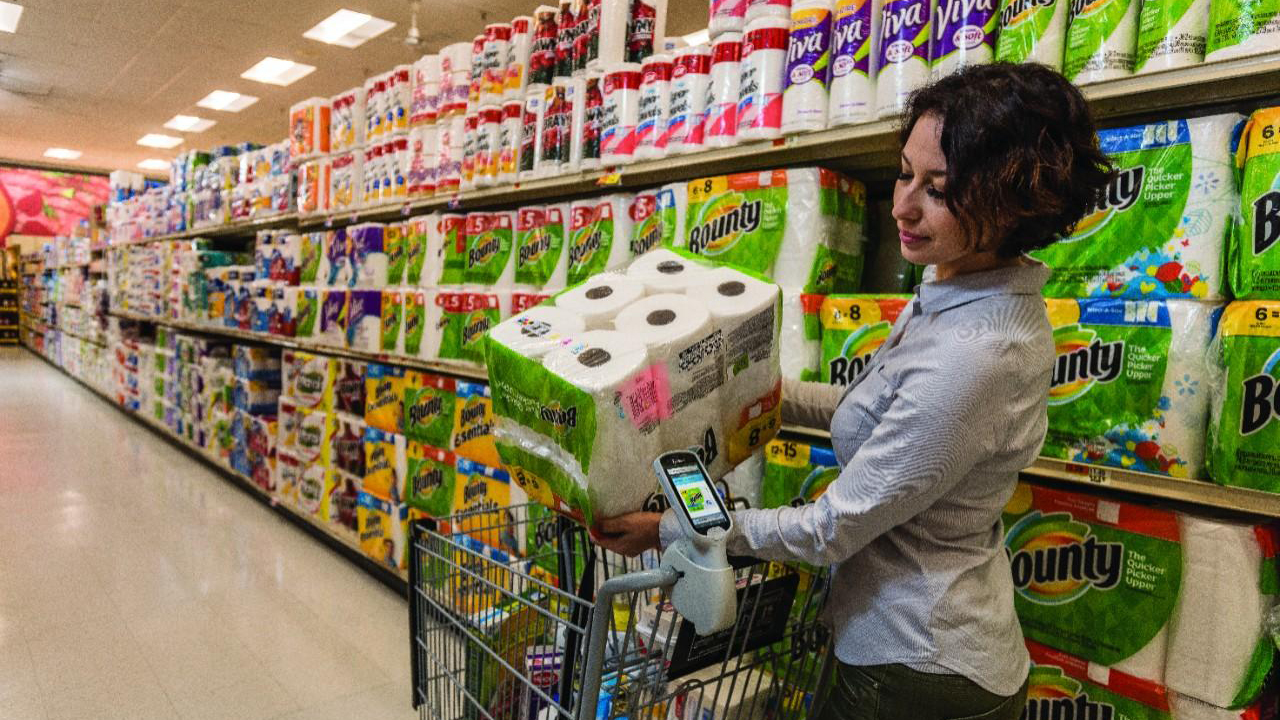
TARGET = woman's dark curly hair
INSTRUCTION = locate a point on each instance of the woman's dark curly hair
(1023, 163)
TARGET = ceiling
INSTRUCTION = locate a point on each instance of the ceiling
(114, 70)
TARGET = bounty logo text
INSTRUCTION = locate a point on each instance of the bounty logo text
(1055, 560)
(1266, 222)
(1261, 395)
(1118, 196)
(1020, 10)
(1083, 360)
(720, 233)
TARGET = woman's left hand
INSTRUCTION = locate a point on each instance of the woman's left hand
(629, 534)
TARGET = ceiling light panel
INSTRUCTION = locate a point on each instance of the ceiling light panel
(62, 154)
(348, 28)
(10, 13)
(277, 71)
(189, 123)
(156, 140)
(154, 164)
(226, 101)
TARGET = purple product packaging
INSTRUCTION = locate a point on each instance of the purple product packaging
(370, 265)
(364, 321)
(853, 90)
(336, 268)
(904, 53)
(333, 317)
(964, 33)
(804, 101)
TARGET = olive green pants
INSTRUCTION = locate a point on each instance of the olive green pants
(896, 692)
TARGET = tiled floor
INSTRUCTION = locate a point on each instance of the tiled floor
(136, 583)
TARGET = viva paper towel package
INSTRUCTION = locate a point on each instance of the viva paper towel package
(853, 329)
(797, 226)
(1254, 255)
(1158, 230)
(964, 33)
(1239, 28)
(1244, 430)
(796, 473)
(1130, 385)
(1032, 31)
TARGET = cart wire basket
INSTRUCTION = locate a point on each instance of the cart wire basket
(516, 615)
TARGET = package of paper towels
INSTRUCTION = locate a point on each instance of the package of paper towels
(1130, 385)
(853, 329)
(1244, 424)
(1253, 260)
(1158, 230)
(798, 226)
(580, 414)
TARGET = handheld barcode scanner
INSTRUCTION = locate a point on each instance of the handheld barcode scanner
(705, 593)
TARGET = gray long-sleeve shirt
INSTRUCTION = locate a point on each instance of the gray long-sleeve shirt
(930, 437)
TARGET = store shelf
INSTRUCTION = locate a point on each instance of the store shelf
(344, 543)
(1201, 493)
(245, 227)
(446, 368)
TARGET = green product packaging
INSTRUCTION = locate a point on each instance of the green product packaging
(392, 319)
(1254, 255)
(647, 231)
(1241, 27)
(540, 242)
(430, 479)
(796, 473)
(1130, 384)
(672, 202)
(415, 250)
(429, 408)
(308, 310)
(599, 236)
(1159, 229)
(853, 329)
(801, 336)
(1244, 430)
(1100, 40)
(489, 241)
(465, 319)
(414, 322)
(1093, 577)
(1032, 31)
(454, 242)
(1170, 34)
(394, 237)
(1060, 686)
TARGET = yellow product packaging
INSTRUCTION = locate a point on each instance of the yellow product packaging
(385, 463)
(309, 379)
(288, 478)
(483, 497)
(314, 485)
(384, 397)
(473, 425)
(315, 438)
(383, 527)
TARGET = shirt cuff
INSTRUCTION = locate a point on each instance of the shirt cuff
(668, 529)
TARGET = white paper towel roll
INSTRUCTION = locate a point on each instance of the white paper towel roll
(599, 300)
(726, 16)
(688, 362)
(855, 27)
(1241, 28)
(804, 102)
(689, 80)
(609, 366)
(720, 113)
(655, 101)
(539, 330)
(673, 207)
(903, 62)
(768, 8)
(621, 113)
(964, 33)
(764, 65)
(800, 336)
(1026, 36)
(1169, 39)
(1217, 624)
(1100, 41)
(663, 271)
(432, 325)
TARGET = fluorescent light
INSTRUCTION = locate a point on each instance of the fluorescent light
(227, 101)
(697, 38)
(159, 141)
(189, 123)
(275, 71)
(9, 15)
(348, 28)
(62, 154)
(154, 164)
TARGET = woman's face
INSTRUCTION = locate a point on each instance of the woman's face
(928, 232)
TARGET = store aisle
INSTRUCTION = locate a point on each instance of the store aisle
(137, 583)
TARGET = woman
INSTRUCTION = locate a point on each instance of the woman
(997, 160)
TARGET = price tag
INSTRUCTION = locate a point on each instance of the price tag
(1095, 474)
(612, 177)
(406, 209)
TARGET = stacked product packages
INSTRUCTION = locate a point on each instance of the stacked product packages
(255, 394)
(668, 354)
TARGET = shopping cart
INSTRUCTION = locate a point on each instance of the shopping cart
(516, 615)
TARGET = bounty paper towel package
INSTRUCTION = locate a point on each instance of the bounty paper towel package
(473, 424)
(385, 464)
(306, 312)
(1254, 256)
(465, 318)
(382, 530)
(429, 408)
(1244, 428)
(491, 260)
(1239, 28)
(485, 493)
(1159, 228)
(384, 397)
(417, 254)
(1130, 385)
(453, 243)
(1171, 34)
(430, 479)
(1100, 40)
(664, 271)
(599, 299)
(1032, 31)
(413, 323)
(392, 308)
(801, 335)
(796, 473)
(599, 237)
(539, 246)
(394, 245)
(853, 329)
(1063, 685)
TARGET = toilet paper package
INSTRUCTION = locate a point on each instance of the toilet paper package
(453, 241)
(764, 65)
(903, 62)
(429, 410)
(1060, 683)
(348, 387)
(855, 24)
(288, 474)
(364, 320)
(340, 495)
(1159, 228)
(382, 530)
(314, 377)
(599, 236)
(1032, 32)
(465, 318)
(491, 261)
(413, 323)
(483, 493)
(1130, 385)
(1244, 427)
(347, 447)
(430, 480)
(385, 464)
(1171, 34)
(391, 335)
(370, 264)
(964, 33)
(315, 437)
(314, 484)
(1095, 577)
(853, 329)
(384, 397)
(1239, 28)
(804, 101)
(796, 473)
(801, 335)
(1253, 258)
(473, 424)
(541, 260)
(782, 223)
(1100, 41)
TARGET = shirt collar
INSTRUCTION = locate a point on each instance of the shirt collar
(1025, 278)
